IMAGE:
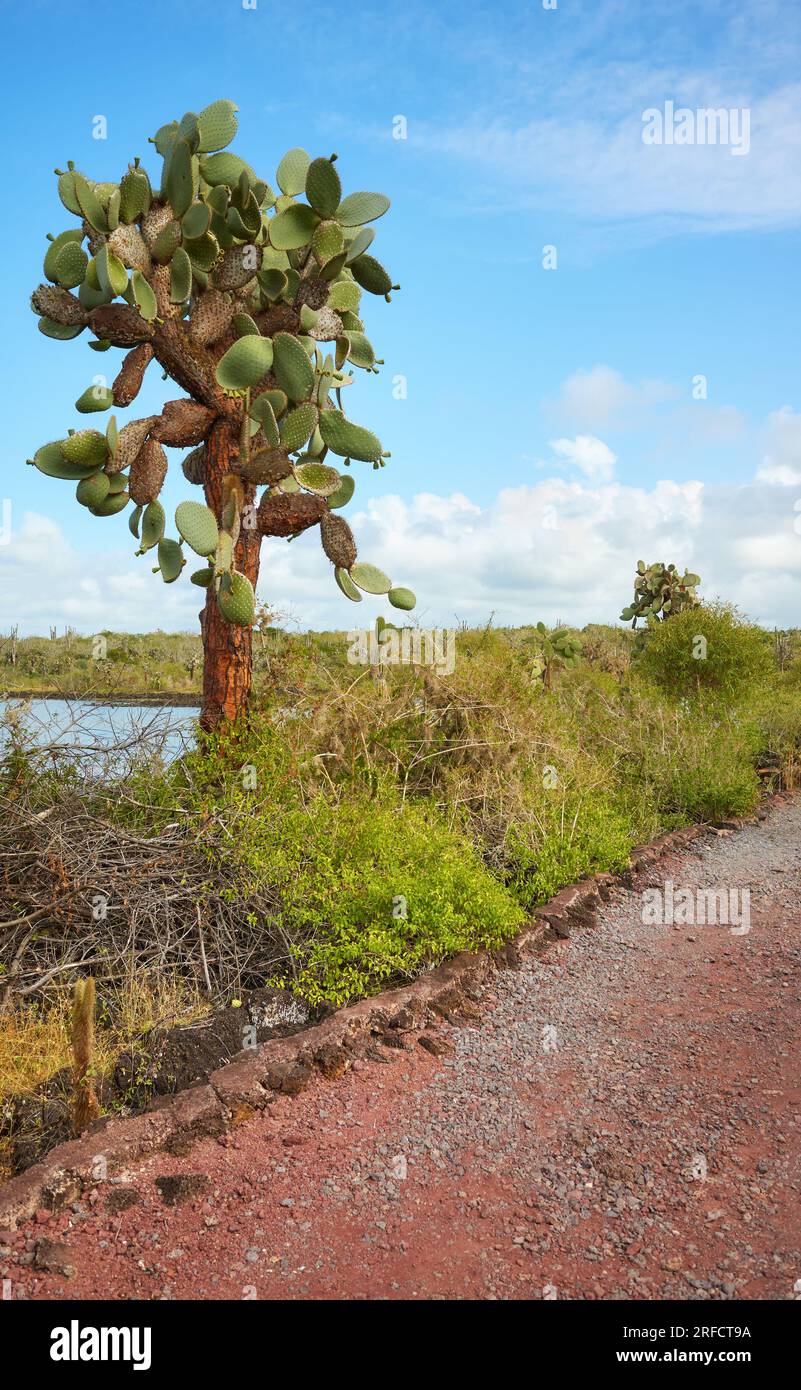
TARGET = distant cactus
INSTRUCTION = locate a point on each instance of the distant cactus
(558, 649)
(659, 591)
(230, 288)
(85, 1105)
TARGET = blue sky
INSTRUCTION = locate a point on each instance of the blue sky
(549, 429)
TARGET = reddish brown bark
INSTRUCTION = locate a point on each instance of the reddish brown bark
(227, 648)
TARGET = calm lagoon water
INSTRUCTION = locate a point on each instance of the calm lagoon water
(103, 733)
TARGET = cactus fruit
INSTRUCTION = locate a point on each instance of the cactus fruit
(56, 303)
(245, 363)
(91, 491)
(198, 526)
(210, 317)
(193, 466)
(291, 367)
(236, 600)
(402, 598)
(359, 208)
(85, 1105)
(297, 426)
(130, 247)
(349, 440)
(337, 540)
(86, 447)
(347, 585)
(148, 471)
(129, 441)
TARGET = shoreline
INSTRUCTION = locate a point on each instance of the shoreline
(176, 700)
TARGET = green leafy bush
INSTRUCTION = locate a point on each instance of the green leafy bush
(708, 650)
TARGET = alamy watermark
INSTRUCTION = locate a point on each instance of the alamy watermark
(410, 647)
(708, 125)
(713, 907)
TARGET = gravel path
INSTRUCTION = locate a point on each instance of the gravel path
(622, 1120)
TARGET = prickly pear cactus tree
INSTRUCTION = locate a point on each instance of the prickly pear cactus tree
(249, 299)
(558, 649)
(659, 591)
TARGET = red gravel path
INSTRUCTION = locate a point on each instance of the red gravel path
(624, 1120)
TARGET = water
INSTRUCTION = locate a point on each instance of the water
(106, 737)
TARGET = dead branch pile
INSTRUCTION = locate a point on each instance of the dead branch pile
(80, 894)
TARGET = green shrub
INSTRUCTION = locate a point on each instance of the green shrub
(708, 650)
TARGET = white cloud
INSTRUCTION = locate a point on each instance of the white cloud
(781, 462)
(598, 396)
(594, 458)
(555, 549)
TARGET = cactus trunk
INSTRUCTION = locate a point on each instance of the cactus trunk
(227, 647)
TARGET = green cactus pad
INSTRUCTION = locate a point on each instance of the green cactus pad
(344, 295)
(171, 560)
(323, 187)
(70, 266)
(371, 275)
(154, 519)
(327, 242)
(56, 246)
(166, 243)
(360, 243)
(297, 426)
(180, 181)
(217, 125)
(291, 367)
(402, 598)
(91, 491)
(349, 440)
(51, 461)
(293, 228)
(94, 398)
(133, 521)
(244, 325)
(359, 208)
(62, 332)
(343, 494)
(66, 191)
(90, 204)
(86, 447)
(245, 363)
(135, 194)
(236, 600)
(198, 526)
(144, 297)
(195, 222)
(180, 277)
(111, 272)
(261, 411)
(223, 168)
(370, 578)
(202, 577)
(347, 585)
(360, 351)
(291, 172)
(318, 478)
(114, 503)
